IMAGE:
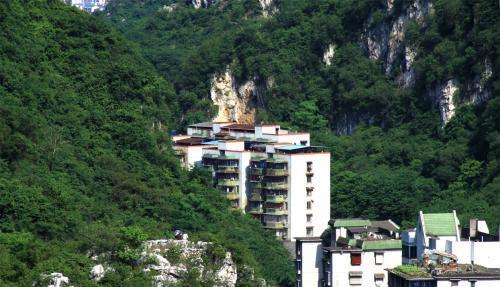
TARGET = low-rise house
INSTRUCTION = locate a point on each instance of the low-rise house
(357, 254)
(309, 261)
(442, 232)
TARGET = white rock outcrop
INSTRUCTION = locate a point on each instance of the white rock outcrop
(235, 102)
(98, 272)
(443, 95)
(57, 280)
(329, 54)
(268, 8)
(197, 4)
(190, 256)
(385, 41)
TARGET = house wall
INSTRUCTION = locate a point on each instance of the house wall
(311, 264)
(289, 138)
(297, 194)
(194, 155)
(341, 266)
(467, 283)
(486, 254)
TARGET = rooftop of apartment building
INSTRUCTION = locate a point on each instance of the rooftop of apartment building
(363, 235)
(445, 271)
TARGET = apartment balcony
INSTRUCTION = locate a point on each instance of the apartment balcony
(256, 210)
(255, 197)
(210, 156)
(276, 185)
(232, 196)
(255, 171)
(255, 184)
(208, 167)
(275, 225)
(309, 172)
(277, 160)
(275, 198)
(309, 186)
(227, 182)
(276, 172)
(276, 211)
(227, 157)
(228, 169)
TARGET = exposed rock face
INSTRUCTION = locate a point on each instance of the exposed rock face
(58, 280)
(200, 3)
(189, 256)
(476, 91)
(329, 54)
(385, 41)
(236, 102)
(442, 94)
(268, 8)
(98, 272)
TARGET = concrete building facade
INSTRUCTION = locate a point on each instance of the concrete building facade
(264, 170)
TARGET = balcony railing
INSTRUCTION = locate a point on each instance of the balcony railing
(232, 195)
(277, 160)
(275, 225)
(276, 172)
(227, 182)
(255, 197)
(276, 211)
(255, 171)
(276, 185)
(275, 198)
(256, 210)
(227, 169)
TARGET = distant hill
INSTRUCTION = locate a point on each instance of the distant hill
(404, 92)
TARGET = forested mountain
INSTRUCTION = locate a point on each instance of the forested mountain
(86, 166)
(404, 92)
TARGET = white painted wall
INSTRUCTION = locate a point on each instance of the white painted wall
(486, 254)
(466, 283)
(297, 194)
(231, 145)
(289, 138)
(312, 265)
(243, 163)
(341, 266)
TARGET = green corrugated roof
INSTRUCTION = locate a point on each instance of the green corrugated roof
(381, 244)
(439, 224)
(351, 223)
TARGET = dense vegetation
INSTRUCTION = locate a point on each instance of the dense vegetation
(86, 166)
(399, 159)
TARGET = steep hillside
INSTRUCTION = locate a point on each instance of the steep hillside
(86, 166)
(412, 87)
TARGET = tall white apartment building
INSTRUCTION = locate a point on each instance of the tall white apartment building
(265, 170)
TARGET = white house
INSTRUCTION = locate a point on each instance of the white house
(309, 262)
(361, 262)
(434, 229)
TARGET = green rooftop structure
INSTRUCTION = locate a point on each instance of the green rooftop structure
(440, 224)
(368, 245)
(351, 223)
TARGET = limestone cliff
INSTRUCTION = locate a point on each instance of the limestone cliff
(236, 101)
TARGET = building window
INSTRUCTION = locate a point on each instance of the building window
(309, 231)
(454, 283)
(309, 218)
(379, 258)
(309, 204)
(473, 284)
(309, 192)
(355, 278)
(309, 179)
(309, 165)
(355, 259)
(303, 142)
(379, 279)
